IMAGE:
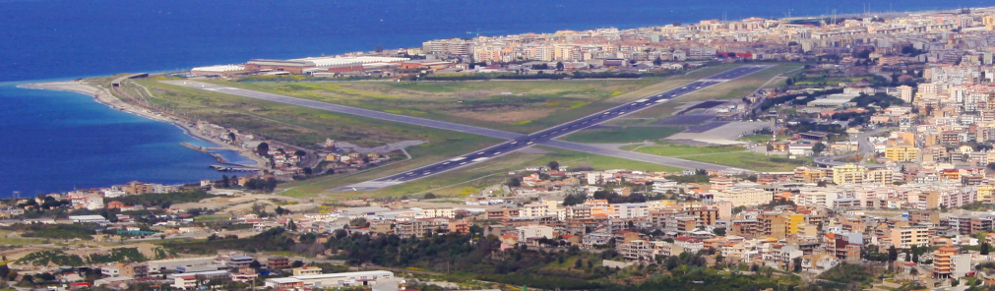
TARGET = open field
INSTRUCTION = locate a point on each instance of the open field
(464, 181)
(522, 106)
(728, 155)
(422, 155)
(7, 239)
(515, 105)
(752, 161)
(621, 135)
(296, 125)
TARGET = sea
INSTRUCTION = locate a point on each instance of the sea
(59, 141)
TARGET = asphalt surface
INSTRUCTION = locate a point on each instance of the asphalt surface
(545, 137)
(515, 141)
(347, 109)
(864, 147)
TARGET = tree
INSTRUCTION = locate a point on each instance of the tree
(300, 153)
(559, 66)
(514, 182)
(658, 61)
(378, 48)
(225, 182)
(297, 264)
(579, 263)
(262, 149)
(984, 248)
(892, 254)
(553, 165)
(430, 196)
(291, 226)
(797, 264)
(818, 148)
(720, 231)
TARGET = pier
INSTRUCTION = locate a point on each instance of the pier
(232, 169)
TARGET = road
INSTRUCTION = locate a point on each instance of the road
(347, 109)
(864, 147)
(515, 141)
(545, 137)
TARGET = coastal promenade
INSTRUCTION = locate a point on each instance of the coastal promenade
(515, 141)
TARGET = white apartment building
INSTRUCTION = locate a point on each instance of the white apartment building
(743, 196)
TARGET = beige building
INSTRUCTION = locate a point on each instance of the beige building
(904, 237)
(849, 174)
(901, 153)
(743, 196)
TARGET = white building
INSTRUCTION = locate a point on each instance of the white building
(629, 210)
(534, 231)
(333, 280)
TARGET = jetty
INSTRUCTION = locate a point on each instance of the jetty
(232, 169)
(199, 148)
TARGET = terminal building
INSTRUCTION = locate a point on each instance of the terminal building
(333, 280)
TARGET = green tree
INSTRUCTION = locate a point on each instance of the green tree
(553, 165)
(262, 149)
(514, 182)
(818, 148)
(559, 66)
(892, 254)
(984, 248)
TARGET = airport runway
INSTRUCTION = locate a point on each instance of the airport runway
(545, 137)
(347, 109)
(515, 141)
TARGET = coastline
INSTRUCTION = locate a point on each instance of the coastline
(103, 96)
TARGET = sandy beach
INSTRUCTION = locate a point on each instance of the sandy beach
(104, 96)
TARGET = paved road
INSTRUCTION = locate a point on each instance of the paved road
(546, 136)
(347, 109)
(516, 141)
(864, 147)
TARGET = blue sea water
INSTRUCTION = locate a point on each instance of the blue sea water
(57, 141)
